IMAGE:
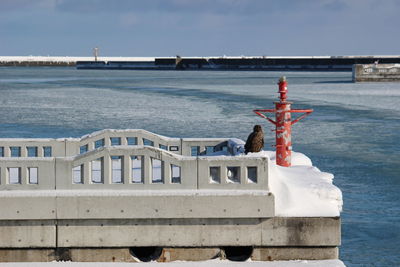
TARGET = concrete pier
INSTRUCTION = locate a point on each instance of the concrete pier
(114, 194)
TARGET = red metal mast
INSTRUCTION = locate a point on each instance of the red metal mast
(283, 124)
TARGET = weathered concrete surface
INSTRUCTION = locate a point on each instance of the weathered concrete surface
(189, 254)
(101, 255)
(27, 255)
(200, 232)
(27, 208)
(162, 232)
(319, 231)
(293, 253)
(27, 234)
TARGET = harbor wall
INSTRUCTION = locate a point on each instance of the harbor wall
(272, 238)
(244, 63)
(344, 63)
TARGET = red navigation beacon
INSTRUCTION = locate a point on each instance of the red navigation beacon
(283, 123)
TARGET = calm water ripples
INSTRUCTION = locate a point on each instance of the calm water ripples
(354, 131)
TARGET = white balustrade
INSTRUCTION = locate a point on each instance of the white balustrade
(127, 159)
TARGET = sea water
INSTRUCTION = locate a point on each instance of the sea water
(353, 133)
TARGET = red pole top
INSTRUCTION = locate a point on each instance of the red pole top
(283, 89)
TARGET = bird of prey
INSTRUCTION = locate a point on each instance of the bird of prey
(255, 141)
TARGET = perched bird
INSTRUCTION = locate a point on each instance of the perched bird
(255, 141)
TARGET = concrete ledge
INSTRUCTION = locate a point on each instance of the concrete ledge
(212, 232)
(160, 232)
(28, 208)
(274, 232)
(155, 206)
(295, 253)
(125, 204)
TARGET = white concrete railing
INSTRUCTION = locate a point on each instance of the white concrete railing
(62, 147)
(118, 159)
(136, 167)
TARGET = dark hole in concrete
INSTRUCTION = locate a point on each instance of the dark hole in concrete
(238, 253)
(146, 254)
(62, 254)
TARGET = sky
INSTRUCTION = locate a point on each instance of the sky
(157, 28)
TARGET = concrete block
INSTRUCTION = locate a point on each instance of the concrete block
(24, 207)
(27, 234)
(188, 254)
(27, 255)
(290, 231)
(100, 255)
(294, 253)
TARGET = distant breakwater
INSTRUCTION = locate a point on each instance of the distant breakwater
(311, 63)
(38, 64)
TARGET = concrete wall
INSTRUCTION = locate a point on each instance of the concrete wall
(195, 232)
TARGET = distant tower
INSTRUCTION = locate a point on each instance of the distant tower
(95, 53)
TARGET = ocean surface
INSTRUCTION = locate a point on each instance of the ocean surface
(353, 133)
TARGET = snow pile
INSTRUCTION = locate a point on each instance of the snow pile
(236, 146)
(302, 190)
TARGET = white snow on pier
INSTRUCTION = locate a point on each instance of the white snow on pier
(302, 190)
